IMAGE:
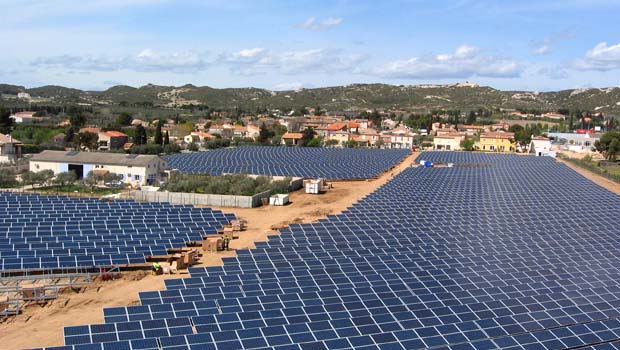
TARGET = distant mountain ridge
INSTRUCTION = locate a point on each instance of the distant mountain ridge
(348, 97)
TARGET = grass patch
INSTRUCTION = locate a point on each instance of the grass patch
(79, 189)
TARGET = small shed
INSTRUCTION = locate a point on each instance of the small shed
(278, 199)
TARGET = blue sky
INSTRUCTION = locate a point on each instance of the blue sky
(510, 45)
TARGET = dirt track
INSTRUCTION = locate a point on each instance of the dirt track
(41, 326)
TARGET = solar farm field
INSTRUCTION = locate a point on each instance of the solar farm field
(45, 232)
(500, 256)
(307, 162)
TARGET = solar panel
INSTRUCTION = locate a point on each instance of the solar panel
(500, 256)
(309, 162)
(39, 232)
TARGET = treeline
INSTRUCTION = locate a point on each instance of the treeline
(238, 184)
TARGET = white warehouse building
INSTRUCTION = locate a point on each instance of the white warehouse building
(135, 169)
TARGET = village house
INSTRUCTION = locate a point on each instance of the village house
(26, 117)
(341, 132)
(496, 142)
(291, 138)
(576, 142)
(448, 142)
(471, 130)
(10, 149)
(198, 137)
(136, 169)
(540, 146)
(400, 137)
(367, 137)
(112, 140)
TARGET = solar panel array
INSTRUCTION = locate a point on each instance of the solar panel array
(47, 232)
(520, 254)
(307, 162)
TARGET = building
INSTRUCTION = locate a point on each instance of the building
(449, 142)
(341, 132)
(136, 169)
(541, 146)
(576, 142)
(367, 137)
(497, 142)
(112, 140)
(198, 137)
(26, 117)
(10, 149)
(292, 138)
(401, 137)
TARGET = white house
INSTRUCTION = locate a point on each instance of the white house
(136, 169)
(10, 149)
(541, 146)
(26, 117)
(400, 137)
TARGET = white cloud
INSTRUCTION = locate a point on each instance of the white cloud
(602, 57)
(543, 49)
(257, 61)
(547, 45)
(465, 62)
(313, 24)
(288, 86)
(146, 60)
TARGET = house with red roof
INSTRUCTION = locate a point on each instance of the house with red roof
(112, 140)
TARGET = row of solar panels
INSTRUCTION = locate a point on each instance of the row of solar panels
(38, 232)
(290, 161)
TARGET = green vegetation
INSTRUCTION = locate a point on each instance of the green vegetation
(468, 144)
(78, 188)
(609, 145)
(7, 179)
(6, 123)
(238, 184)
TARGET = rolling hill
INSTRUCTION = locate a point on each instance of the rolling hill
(349, 97)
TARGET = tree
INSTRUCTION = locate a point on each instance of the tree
(140, 135)
(159, 139)
(609, 145)
(124, 119)
(6, 123)
(45, 177)
(523, 136)
(166, 139)
(64, 179)
(7, 179)
(87, 141)
(467, 144)
(307, 136)
(315, 142)
(471, 118)
(91, 180)
(77, 120)
(264, 135)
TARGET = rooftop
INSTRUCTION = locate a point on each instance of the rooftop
(75, 157)
(4, 139)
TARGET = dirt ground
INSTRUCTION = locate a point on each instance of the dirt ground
(41, 326)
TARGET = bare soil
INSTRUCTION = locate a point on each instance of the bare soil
(42, 325)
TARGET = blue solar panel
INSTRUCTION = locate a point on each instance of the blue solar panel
(305, 162)
(41, 232)
(514, 253)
